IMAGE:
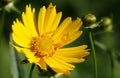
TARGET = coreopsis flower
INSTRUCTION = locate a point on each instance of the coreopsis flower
(43, 42)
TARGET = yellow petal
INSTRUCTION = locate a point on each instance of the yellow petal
(41, 18)
(74, 36)
(61, 28)
(42, 64)
(57, 63)
(70, 33)
(34, 59)
(74, 55)
(18, 36)
(73, 26)
(76, 52)
(29, 22)
(82, 47)
(26, 51)
(56, 67)
(66, 38)
(69, 59)
(56, 21)
(30, 55)
(49, 18)
(61, 71)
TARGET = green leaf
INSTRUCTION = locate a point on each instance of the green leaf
(17, 69)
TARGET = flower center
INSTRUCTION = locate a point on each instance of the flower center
(42, 46)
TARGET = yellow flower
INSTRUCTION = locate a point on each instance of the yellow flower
(43, 42)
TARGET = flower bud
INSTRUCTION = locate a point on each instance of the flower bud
(8, 5)
(106, 21)
(4, 3)
(89, 19)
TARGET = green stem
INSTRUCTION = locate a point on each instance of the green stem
(31, 70)
(94, 55)
(2, 22)
(111, 52)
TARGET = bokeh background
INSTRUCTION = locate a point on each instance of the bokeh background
(73, 8)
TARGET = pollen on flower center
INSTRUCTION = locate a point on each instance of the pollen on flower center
(42, 46)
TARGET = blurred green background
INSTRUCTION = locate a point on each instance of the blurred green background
(73, 8)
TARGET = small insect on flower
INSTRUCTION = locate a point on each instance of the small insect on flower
(43, 42)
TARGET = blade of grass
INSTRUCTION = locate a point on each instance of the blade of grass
(17, 69)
